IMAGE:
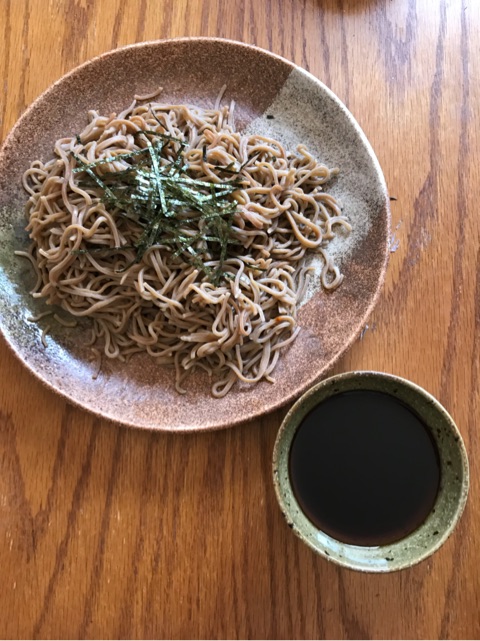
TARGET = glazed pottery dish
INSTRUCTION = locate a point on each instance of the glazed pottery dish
(273, 98)
(370, 471)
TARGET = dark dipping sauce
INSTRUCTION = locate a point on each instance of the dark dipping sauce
(364, 468)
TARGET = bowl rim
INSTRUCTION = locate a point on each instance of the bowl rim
(300, 409)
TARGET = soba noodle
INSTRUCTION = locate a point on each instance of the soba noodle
(165, 304)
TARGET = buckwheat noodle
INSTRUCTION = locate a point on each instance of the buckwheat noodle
(164, 305)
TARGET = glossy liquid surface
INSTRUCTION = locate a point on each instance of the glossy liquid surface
(364, 468)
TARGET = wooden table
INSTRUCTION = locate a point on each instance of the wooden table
(106, 532)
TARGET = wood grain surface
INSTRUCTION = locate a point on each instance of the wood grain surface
(106, 532)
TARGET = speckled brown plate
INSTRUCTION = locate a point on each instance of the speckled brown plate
(142, 394)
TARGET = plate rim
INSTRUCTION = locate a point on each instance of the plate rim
(319, 374)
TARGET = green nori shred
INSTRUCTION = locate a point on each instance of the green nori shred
(96, 249)
(105, 161)
(188, 216)
(249, 160)
(151, 132)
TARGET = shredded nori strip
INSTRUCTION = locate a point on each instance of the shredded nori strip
(153, 189)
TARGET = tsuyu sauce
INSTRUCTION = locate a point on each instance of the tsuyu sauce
(364, 468)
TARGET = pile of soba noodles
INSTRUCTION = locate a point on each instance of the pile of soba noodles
(189, 242)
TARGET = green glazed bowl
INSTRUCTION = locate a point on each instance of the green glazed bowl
(451, 498)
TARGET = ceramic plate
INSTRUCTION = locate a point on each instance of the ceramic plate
(273, 97)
